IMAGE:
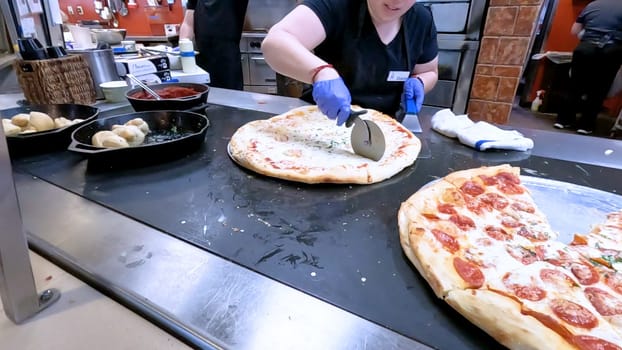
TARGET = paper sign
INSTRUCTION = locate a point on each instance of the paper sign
(55, 12)
(28, 27)
(35, 6)
(22, 7)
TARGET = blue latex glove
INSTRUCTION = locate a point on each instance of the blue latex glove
(333, 99)
(413, 90)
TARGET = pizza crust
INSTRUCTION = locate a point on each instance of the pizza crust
(501, 317)
(425, 252)
(303, 145)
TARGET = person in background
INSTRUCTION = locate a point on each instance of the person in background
(216, 27)
(595, 62)
(373, 53)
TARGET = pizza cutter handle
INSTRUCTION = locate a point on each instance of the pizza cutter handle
(353, 115)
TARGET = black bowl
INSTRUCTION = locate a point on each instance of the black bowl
(173, 134)
(51, 140)
(176, 104)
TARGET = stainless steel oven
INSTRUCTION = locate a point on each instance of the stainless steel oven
(258, 76)
(458, 23)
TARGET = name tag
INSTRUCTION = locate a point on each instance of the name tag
(398, 75)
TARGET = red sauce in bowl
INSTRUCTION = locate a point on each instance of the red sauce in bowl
(167, 92)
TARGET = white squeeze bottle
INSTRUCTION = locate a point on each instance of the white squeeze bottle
(186, 51)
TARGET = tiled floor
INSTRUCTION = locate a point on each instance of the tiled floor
(524, 117)
(82, 318)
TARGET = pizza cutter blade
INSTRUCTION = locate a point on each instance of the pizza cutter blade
(366, 138)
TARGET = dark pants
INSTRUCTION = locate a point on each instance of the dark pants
(593, 69)
(221, 59)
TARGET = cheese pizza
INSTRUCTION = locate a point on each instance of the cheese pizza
(303, 145)
(482, 244)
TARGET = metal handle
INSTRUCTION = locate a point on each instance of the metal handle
(144, 86)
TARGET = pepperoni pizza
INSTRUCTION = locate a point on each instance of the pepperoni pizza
(483, 246)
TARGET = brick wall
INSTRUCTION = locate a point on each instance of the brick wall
(505, 44)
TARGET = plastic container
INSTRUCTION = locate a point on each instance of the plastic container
(186, 51)
(114, 91)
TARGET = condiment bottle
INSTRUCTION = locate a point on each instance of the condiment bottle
(186, 51)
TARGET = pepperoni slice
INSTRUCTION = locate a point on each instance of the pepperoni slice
(469, 272)
(557, 278)
(472, 188)
(509, 183)
(573, 313)
(497, 233)
(523, 255)
(449, 243)
(527, 292)
(524, 207)
(495, 200)
(476, 206)
(510, 222)
(430, 216)
(605, 303)
(614, 281)
(585, 273)
(561, 258)
(446, 208)
(586, 342)
(488, 180)
(532, 235)
(463, 222)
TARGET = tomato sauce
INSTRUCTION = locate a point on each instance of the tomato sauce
(167, 92)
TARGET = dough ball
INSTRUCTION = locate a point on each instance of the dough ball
(29, 129)
(20, 119)
(115, 142)
(140, 123)
(131, 133)
(10, 129)
(76, 121)
(108, 139)
(41, 121)
(61, 122)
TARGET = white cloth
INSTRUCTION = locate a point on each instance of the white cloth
(480, 135)
(483, 135)
(448, 124)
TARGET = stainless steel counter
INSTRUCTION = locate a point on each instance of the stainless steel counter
(205, 299)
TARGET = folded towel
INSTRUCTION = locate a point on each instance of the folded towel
(480, 135)
(448, 124)
(483, 136)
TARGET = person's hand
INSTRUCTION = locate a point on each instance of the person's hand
(333, 99)
(413, 90)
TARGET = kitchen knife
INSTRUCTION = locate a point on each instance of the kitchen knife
(411, 119)
(366, 138)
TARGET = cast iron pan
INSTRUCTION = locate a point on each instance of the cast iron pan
(173, 134)
(178, 104)
(51, 140)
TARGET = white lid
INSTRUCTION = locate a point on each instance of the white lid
(113, 84)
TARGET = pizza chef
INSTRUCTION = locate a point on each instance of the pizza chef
(373, 53)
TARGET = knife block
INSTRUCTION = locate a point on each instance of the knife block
(57, 80)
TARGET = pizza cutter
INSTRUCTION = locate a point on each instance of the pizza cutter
(367, 139)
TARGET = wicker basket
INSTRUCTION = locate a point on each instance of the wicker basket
(56, 80)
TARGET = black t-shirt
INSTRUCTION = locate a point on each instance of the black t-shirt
(353, 46)
(338, 15)
(218, 18)
(602, 17)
